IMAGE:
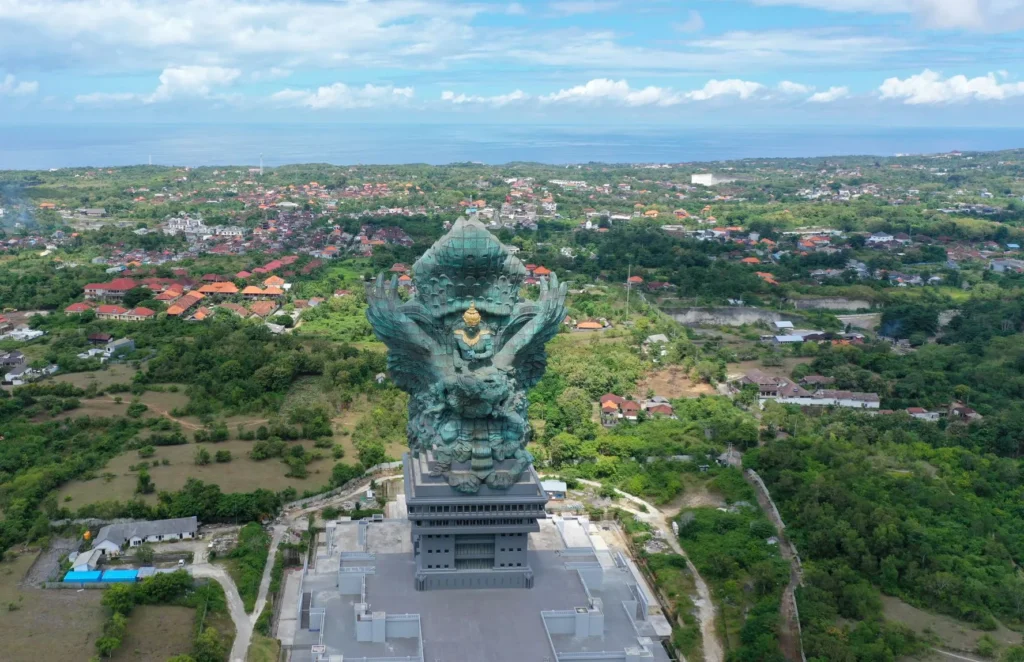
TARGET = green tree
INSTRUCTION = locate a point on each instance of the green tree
(223, 456)
(202, 456)
(120, 598)
(144, 484)
(209, 647)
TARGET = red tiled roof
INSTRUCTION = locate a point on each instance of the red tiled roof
(79, 307)
(111, 310)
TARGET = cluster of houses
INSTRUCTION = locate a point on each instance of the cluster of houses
(16, 371)
(18, 332)
(810, 391)
(615, 409)
(108, 348)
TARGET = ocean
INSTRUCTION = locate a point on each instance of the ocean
(42, 147)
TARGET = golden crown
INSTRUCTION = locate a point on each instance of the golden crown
(471, 317)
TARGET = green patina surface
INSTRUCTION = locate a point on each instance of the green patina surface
(466, 348)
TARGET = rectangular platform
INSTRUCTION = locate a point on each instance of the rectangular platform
(463, 541)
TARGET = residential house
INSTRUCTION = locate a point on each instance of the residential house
(219, 289)
(235, 308)
(923, 414)
(184, 304)
(118, 347)
(112, 291)
(78, 308)
(110, 312)
(113, 537)
(138, 314)
(262, 309)
(960, 411)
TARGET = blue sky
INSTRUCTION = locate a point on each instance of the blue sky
(608, 62)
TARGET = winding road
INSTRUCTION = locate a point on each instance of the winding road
(705, 605)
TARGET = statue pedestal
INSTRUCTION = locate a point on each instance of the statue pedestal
(476, 540)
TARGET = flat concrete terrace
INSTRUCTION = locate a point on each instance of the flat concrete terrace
(458, 625)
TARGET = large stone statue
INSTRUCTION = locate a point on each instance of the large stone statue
(466, 348)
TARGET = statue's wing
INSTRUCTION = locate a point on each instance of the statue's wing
(405, 328)
(533, 325)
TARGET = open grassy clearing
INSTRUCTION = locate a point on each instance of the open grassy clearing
(116, 373)
(156, 633)
(788, 363)
(950, 632)
(239, 475)
(46, 624)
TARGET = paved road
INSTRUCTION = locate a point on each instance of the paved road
(275, 540)
(705, 605)
(243, 624)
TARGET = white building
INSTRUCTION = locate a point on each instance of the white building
(113, 537)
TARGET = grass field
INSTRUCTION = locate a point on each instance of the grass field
(263, 649)
(156, 633)
(118, 373)
(45, 624)
(239, 475)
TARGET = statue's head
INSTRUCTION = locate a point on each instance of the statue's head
(468, 266)
(472, 316)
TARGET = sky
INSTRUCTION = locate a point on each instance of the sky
(615, 63)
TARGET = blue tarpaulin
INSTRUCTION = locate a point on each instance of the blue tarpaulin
(120, 576)
(83, 576)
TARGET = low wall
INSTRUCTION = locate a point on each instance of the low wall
(831, 303)
(724, 316)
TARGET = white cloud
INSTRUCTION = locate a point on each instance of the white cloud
(11, 86)
(720, 88)
(995, 15)
(342, 96)
(617, 91)
(497, 100)
(929, 87)
(830, 95)
(144, 34)
(191, 81)
(175, 83)
(574, 7)
(789, 87)
(515, 9)
(693, 23)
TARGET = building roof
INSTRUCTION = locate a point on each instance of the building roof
(275, 281)
(141, 312)
(916, 410)
(611, 397)
(590, 325)
(263, 308)
(79, 307)
(119, 534)
(252, 289)
(553, 485)
(110, 309)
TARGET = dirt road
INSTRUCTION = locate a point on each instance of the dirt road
(705, 605)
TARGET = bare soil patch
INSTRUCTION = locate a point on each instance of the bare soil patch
(673, 383)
